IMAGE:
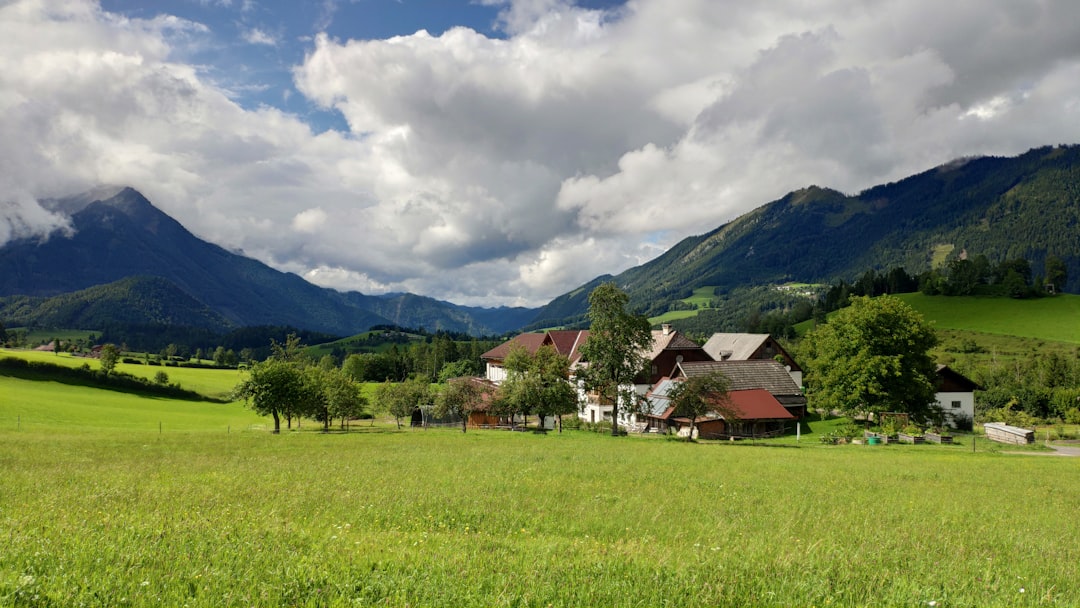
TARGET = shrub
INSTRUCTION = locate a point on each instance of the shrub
(962, 422)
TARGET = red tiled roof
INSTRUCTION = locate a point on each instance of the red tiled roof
(531, 342)
(567, 342)
(757, 404)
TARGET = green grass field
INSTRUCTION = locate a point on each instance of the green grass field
(99, 508)
(216, 383)
(1056, 318)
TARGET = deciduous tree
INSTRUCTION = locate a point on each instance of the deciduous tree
(872, 357)
(110, 356)
(460, 397)
(696, 396)
(538, 383)
(615, 350)
(272, 388)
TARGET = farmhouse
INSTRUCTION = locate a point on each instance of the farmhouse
(669, 348)
(764, 374)
(751, 347)
(747, 413)
(956, 396)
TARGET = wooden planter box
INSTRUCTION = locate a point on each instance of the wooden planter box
(871, 434)
(935, 438)
(905, 438)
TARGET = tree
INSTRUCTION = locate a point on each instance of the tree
(110, 356)
(273, 387)
(342, 394)
(538, 383)
(870, 358)
(460, 397)
(400, 399)
(615, 350)
(696, 396)
(219, 356)
(1056, 272)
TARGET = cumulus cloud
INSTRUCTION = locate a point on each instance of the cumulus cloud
(258, 36)
(509, 170)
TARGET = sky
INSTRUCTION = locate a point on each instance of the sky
(503, 152)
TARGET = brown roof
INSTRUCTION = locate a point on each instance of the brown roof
(672, 340)
(757, 404)
(567, 342)
(531, 342)
(745, 375)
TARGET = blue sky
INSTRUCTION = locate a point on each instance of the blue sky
(506, 151)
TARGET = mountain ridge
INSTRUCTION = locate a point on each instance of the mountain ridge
(1023, 206)
(125, 236)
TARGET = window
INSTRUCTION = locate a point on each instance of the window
(956, 405)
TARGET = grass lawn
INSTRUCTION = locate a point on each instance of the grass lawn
(1056, 318)
(217, 383)
(97, 510)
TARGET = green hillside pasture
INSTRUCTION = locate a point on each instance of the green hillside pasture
(437, 518)
(673, 315)
(41, 336)
(41, 405)
(1054, 319)
(702, 298)
(216, 383)
(365, 342)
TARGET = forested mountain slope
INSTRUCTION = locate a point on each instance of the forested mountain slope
(1003, 208)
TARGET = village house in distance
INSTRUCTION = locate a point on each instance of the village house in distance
(765, 381)
(672, 353)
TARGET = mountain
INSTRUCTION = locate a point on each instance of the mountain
(119, 234)
(1005, 208)
(130, 301)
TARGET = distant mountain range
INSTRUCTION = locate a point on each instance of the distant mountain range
(1004, 208)
(129, 262)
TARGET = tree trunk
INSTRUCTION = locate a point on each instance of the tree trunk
(693, 419)
(615, 412)
(464, 423)
(277, 422)
(560, 423)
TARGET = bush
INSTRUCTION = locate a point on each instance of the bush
(1072, 415)
(962, 422)
(572, 422)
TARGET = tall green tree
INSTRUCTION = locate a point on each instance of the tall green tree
(110, 356)
(1056, 272)
(615, 350)
(343, 398)
(872, 357)
(696, 396)
(272, 388)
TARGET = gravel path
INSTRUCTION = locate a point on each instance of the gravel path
(1065, 449)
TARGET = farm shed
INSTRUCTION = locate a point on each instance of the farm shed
(1004, 433)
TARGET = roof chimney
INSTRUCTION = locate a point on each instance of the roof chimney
(666, 327)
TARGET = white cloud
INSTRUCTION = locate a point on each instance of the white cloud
(258, 36)
(492, 171)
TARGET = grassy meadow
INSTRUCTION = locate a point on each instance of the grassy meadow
(1041, 318)
(99, 508)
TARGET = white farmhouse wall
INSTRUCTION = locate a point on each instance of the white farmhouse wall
(496, 373)
(947, 402)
